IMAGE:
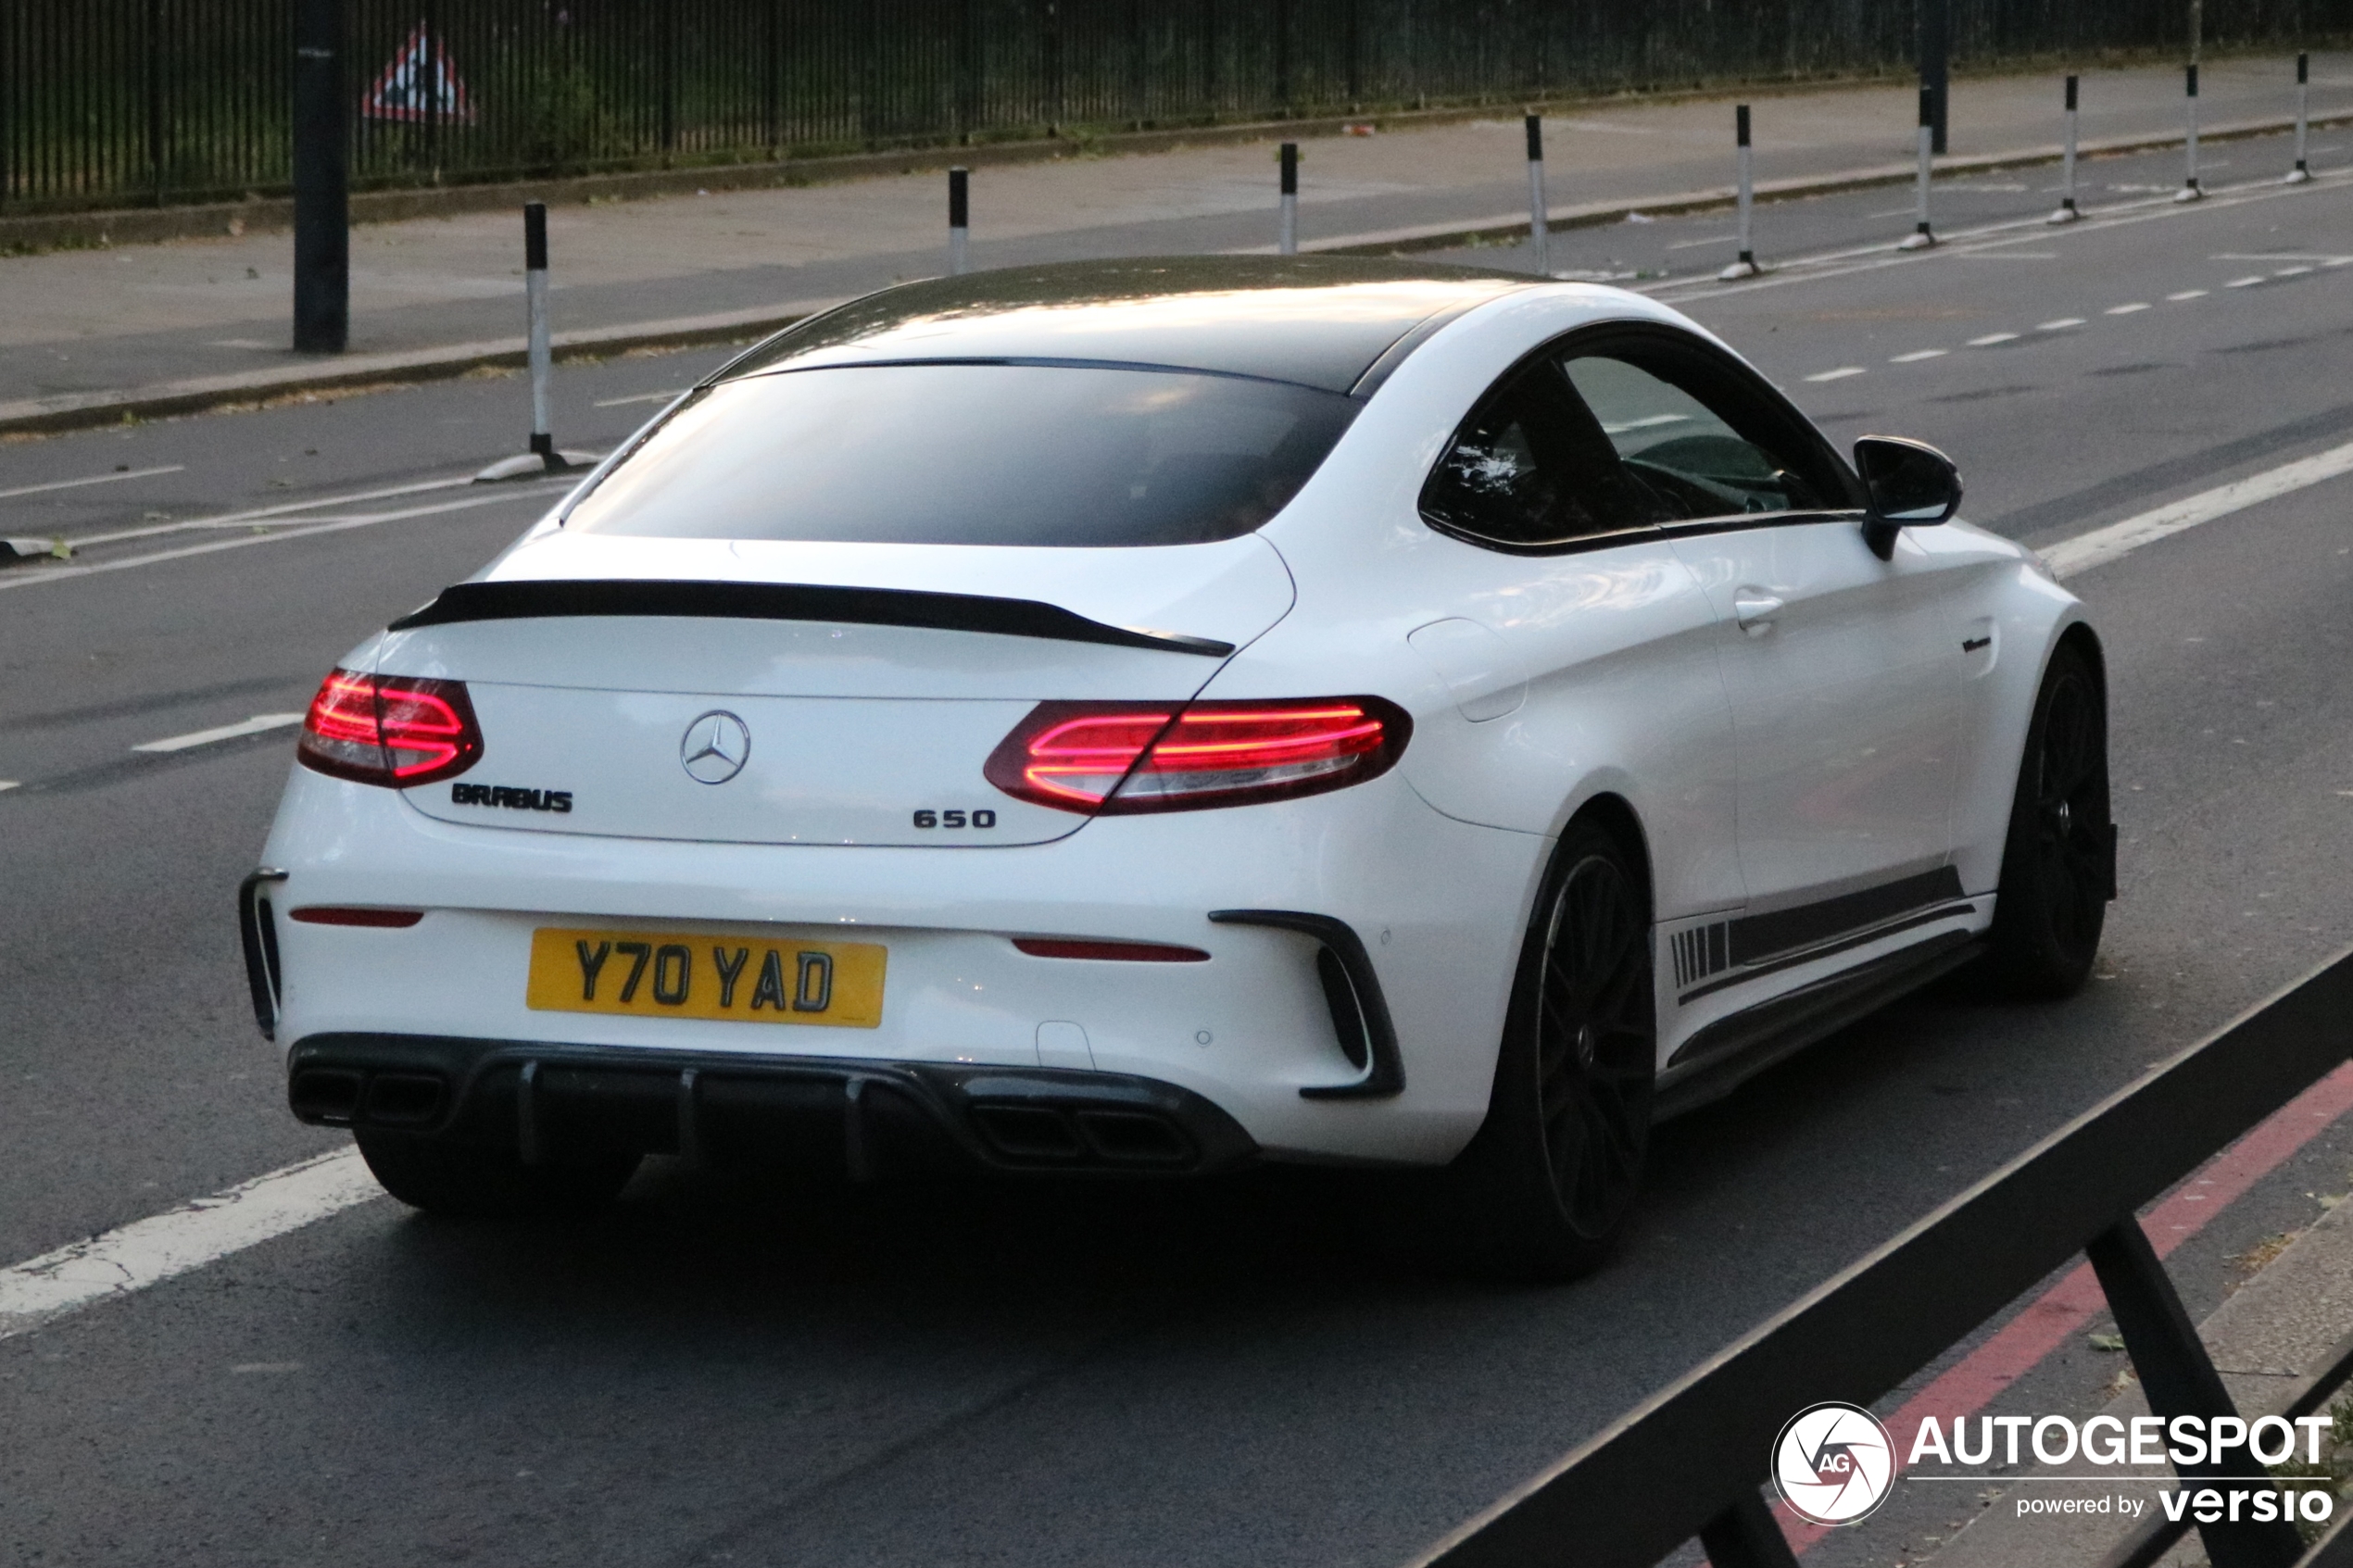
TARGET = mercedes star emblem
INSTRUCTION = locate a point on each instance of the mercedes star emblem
(716, 748)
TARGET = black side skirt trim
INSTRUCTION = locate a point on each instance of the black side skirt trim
(1825, 950)
(1716, 1061)
(1386, 1074)
(790, 601)
(1756, 937)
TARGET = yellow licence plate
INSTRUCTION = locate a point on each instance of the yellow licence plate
(669, 975)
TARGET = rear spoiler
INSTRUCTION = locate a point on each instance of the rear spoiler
(789, 601)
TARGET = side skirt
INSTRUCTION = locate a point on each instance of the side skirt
(1718, 1059)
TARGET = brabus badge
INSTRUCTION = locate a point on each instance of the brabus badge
(715, 748)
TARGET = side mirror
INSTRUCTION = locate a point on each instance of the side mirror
(1911, 484)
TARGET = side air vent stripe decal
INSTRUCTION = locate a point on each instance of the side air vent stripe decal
(1761, 936)
(791, 601)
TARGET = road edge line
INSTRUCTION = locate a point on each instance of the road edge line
(130, 1258)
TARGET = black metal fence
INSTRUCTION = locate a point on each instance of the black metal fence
(1689, 1462)
(117, 102)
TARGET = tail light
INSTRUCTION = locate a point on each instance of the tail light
(389, 730)
(1117, 758)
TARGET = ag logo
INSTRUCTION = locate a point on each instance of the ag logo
(715, 747)
(1833, 1464)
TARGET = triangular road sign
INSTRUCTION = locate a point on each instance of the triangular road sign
(419, 83)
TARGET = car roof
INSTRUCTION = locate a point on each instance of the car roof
(1320, 321)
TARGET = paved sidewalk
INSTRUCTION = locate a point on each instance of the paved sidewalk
(86, 326)
(2282, 1327)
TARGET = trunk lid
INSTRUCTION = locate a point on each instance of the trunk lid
(767, 693)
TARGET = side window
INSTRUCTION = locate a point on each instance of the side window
(1531, 469)
(1695, 438)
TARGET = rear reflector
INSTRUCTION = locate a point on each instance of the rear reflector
(1124, 952)
(1113, 757)
(389, 730)
(327, 914)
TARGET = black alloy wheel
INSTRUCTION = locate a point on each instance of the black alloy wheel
(2058, 865)
(1554, 1174)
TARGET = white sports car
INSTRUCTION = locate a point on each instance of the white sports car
(1147, 717)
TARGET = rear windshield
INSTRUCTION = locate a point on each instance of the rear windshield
(973, 454)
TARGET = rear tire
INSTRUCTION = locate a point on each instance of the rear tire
(1547, 1188)
(464, 1180)
(2059, 862)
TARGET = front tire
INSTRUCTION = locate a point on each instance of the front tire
(461, 1180)
(1548, 1185)
(2058, 861)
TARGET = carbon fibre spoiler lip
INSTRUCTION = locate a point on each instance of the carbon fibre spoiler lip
(547, 598)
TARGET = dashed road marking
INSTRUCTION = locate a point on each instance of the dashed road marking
(2290, 272)
(6, 785)
(2060, 325)
(1990, 339)
(2185, 293)
(149, 1251)
(2243, 282)
(261, 723)
(1916, 355)
(96, 479)
(1840, 374)
(2126, 309)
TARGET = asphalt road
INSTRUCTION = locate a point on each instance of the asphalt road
(1261, 1370)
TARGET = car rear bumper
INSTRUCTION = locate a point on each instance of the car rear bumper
(1423, 908)
(862, 1118)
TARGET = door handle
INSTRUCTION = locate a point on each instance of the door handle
(1755, 613)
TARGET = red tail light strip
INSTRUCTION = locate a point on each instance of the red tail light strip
(389, 730)
(1123, 952)
(328, 914)
(1113, 758)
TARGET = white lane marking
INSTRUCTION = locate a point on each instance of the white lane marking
(9, 784)
(1711, 239)
(1840, 374)
(2060, 325)
(1990, 339)
(97, 478)
(676, 392)
(282, 509)
(2185, 293)
(1916, 355)
(1975, 242)
(2126, 309)
(149, 1251)
(2243, 282)
(304, 531)
(2290, 272)
(261, 723)
(2103, 545)
(2324, 258)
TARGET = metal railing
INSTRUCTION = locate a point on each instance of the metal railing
(108, 102)
(1689, 1462)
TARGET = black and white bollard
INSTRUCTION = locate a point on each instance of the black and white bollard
(960, 220)
(2302, 172)
(543, 458)
(1287, 221)
(1746, 266)
(2066, 212)
(1539, 212)
(1922, 236)
(2189, 191)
